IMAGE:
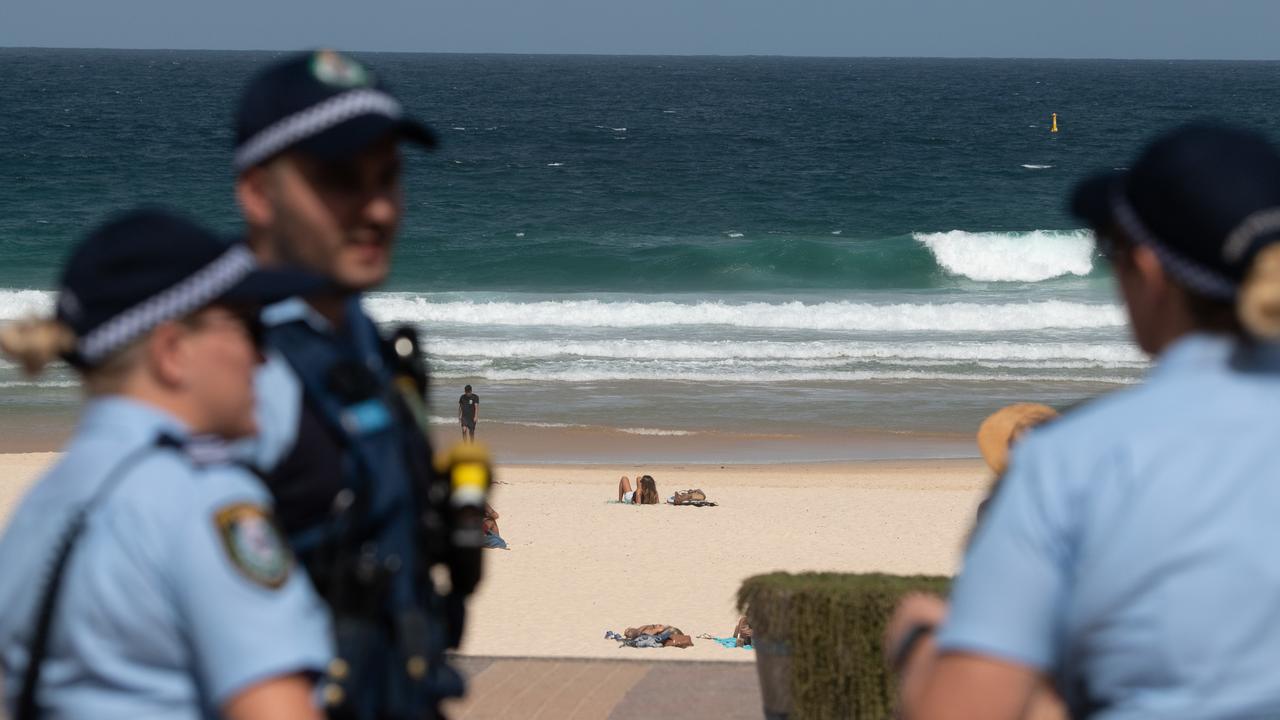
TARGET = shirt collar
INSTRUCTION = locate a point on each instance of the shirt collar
(1202, 352)
(136, 420)
(292, 310)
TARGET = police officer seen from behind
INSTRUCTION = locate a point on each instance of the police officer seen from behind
(140, 578)
(1129, 553)
(319, 184)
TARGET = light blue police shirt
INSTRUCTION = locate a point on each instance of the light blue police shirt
(179, 594)
(1131, 551)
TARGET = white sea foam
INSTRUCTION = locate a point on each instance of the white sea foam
(555, 164)
(39, 383)
(1036, 167)
(848, 316)
(624, 374)
(654, 431)
(1011, 257)
(734, 234)
(1055, 354)
(15, 304)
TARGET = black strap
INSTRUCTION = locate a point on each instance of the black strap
(27, 709)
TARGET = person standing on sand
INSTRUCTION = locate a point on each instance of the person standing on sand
(143, 575)
(468, 413)
(1126, 555)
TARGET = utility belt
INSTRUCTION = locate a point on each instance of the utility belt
(390, 660)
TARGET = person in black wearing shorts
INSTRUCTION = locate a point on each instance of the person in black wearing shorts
(468, 413)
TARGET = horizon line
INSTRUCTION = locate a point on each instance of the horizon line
(587, 53)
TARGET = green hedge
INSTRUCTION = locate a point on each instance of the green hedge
(833, 624)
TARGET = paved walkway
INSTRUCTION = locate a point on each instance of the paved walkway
(568, 689)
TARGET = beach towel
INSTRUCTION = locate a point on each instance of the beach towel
(724, 642)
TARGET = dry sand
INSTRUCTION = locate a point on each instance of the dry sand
(580, 564)
(17, 472)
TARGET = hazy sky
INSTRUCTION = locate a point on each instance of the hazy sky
(1226, 29)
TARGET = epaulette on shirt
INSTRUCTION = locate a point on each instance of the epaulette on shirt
(206, 450)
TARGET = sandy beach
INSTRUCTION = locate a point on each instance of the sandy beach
(580, 564)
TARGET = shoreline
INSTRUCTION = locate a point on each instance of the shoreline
(48, 429)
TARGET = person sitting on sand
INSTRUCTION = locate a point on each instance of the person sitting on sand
(646, 492)
(742, 633)
(492, 539)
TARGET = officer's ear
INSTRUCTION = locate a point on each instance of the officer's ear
(165, 354)
(253, 195)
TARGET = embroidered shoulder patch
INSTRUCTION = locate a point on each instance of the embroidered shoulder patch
(254, 543)
(333, 68)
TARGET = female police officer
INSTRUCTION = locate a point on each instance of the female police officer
(145, 579)
(1129, 552)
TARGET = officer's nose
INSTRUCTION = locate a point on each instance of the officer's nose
(383, 208)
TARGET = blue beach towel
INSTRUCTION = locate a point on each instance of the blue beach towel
(730, 643)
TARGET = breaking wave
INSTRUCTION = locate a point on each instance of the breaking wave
(1011, 257)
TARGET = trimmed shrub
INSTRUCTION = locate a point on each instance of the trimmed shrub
(833, 624)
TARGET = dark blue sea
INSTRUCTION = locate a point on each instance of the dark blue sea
(671, 245)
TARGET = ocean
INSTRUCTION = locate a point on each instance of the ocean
(669, 245)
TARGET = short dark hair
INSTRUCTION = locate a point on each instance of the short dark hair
(466, 389)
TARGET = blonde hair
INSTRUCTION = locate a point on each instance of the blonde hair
(1258, 304)
(35, 342)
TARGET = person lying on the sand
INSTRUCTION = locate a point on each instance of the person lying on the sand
(645, 492)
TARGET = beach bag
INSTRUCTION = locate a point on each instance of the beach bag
(686, 497)
(679, 640)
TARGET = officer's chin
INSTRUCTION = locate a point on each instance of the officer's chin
(357, 273)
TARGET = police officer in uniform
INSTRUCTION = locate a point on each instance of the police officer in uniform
(345, 449)
(1128, 553)
(141, 578)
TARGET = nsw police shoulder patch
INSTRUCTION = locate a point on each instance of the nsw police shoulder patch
(254, 543)
(334, 68)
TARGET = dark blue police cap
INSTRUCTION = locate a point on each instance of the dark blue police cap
(147, 267)
(1205, 197)
(323, 103)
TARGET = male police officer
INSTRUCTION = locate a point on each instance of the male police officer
(319, 186)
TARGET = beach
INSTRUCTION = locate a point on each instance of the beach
(579, 564)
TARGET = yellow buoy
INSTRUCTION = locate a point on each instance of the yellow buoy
(1055, 124)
